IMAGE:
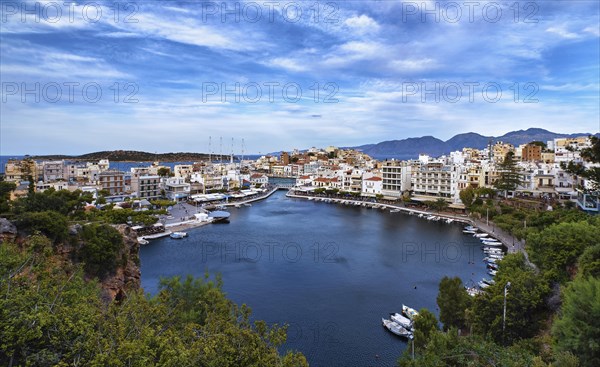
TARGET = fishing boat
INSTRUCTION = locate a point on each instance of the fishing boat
(411, 313)
(396, 329)
(401, 320)
(178, 235)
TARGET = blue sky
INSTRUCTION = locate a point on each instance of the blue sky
(384, 70)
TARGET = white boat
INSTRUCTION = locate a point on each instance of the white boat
(238, 206)
(401, 320)
(449, 220)
(178, 235)
(420, 215)
(488, 281)
(481, 235)
(482, 284)
(411, 313)
(396, 329)
(247, 204)
(143, 241)
(470, 228)
(395, 211)
(431, 217)
(492, 272)
(472, 291)
(469, 232)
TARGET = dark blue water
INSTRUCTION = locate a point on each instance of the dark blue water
(329, 271)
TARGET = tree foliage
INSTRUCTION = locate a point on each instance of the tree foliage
(525, 303)
(557, 248)
(577, 329)
(51, 316)
(453, 301)
(510, 176)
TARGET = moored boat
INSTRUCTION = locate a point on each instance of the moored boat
(178, 235)
(411, 313)
(396, 329)
(401, 320)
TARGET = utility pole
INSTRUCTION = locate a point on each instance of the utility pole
(487, 216)
(504, 316)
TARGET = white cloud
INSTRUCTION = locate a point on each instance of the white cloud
(362, 24)
(287, 63)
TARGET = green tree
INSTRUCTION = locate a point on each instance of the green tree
(577, 329)
(50, 223)
(467, 196)
(525, 303)
(589, 262)
(164, 172)
(425, 325)
(101, 249)
(453, 300)
(5, 189)
(556, 248)
(510, 176)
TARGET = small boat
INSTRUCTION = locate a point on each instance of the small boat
(420, 215)
(143, 241)
(401, 320)
(482, 284)
(449, 220)
(395, 211)
(470, 228)
(247, 204)
(492, 272)
(178, 235)
(472, 291)
(238, 206)
(488, 281)
(396, 329)
(411, 313)
(469, 232)
(481, 235)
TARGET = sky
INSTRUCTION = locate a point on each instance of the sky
(163, 76)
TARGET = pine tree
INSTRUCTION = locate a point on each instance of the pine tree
(510, 174)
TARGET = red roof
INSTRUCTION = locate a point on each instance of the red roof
(374, 178)
(256, 175)
(304, 177)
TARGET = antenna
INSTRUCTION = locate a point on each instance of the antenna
(231, 156)
(243, 147)
(220, 149)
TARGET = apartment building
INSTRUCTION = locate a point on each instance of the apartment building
(436, 179)
(396, 178)
(112, 181)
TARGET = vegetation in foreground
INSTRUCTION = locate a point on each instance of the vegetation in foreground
(52, 312)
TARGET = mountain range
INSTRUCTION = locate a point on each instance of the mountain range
(411, 147)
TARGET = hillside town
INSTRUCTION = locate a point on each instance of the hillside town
(541, 166)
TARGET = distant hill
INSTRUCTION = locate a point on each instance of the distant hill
(130, 156)
(412, 147)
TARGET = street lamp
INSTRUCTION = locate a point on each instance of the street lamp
(504, 316)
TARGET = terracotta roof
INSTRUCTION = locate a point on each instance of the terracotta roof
(256, 175)
(374, 178)
(304, 177)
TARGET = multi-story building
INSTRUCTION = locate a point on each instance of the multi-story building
(500, 150)
(20, 170)
(435, 179)
(569, 149)
(112, 181)
(396, 178)
(372, 186)
(53, 171)
(531, 153)
(147, 187)
(183, 170)
(176, 188)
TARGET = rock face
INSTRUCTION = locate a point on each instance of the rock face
(8, 231)
(126, 277)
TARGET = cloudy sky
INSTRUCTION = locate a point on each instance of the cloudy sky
(165, 75)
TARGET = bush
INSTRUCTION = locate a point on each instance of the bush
(50, 223)
(101, 248)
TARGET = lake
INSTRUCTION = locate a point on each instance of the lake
(329, 271)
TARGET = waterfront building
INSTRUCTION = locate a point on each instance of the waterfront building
(176, 188)
(112, 181)
(147, 186)
(372, 186)
(396, 178)
(436, 180)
